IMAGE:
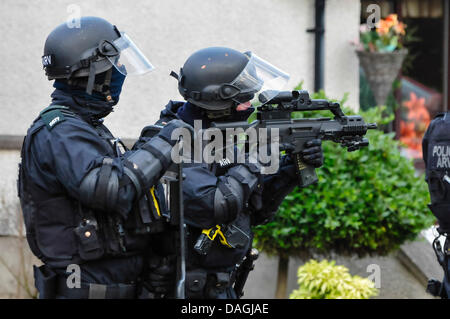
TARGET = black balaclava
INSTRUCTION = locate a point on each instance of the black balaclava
(92, 107)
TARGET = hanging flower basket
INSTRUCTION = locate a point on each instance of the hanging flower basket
(381, 69)
(381, 55)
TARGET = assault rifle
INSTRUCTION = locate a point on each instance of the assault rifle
(346, 130)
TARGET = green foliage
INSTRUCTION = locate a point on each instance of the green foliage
(366, 202)
(325, 280)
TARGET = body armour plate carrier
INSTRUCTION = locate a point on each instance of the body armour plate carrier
(61, 231)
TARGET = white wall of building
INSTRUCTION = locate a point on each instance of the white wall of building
(168, 31)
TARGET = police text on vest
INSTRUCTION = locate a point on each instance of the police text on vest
(443, 156)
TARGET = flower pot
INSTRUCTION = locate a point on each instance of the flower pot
(381, 69)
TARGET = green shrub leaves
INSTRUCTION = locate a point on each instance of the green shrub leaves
(325, 280)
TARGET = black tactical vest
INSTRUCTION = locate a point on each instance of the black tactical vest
(220, 257)
(61, 231)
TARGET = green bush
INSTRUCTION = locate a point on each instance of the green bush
(366, 202)
(325, 280)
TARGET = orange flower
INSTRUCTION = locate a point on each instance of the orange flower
(392, 19)
(383, 27)
(400, 28)
(417, 120)
(387, 29)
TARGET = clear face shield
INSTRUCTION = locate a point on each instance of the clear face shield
(259, 82)
(129, 60)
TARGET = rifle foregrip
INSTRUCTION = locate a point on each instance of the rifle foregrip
(306, 173)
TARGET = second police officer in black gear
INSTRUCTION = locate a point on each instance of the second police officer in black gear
(218, 84)
(86, 199)
(436, 155)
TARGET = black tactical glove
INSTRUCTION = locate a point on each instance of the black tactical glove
(161, 274)
(166, 131)
(313, 154)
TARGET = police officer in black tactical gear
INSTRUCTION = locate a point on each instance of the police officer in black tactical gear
(436, 155)
(87, 200)
(223, 200)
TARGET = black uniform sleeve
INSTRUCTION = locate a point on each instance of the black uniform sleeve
(216, 200)
(199, 187)
(73, 149)
(85, 165)
(276, 188)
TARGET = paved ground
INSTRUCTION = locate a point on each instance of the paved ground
(396, 280)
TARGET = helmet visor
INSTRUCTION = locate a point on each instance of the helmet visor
(259, 81)
(131, 60)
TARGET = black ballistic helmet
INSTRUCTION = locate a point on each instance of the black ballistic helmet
(91, 48)
(219, 78)
(206, 76)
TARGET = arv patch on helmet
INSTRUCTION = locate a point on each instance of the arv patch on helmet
(47, 60)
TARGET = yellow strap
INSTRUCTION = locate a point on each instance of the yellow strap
(207, 232)
(223, 240)
(216, 232)
(155, 201)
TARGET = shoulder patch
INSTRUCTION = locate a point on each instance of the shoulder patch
(53, 115)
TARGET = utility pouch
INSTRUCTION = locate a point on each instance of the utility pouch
(195, 283)
(231, 236)
(216, 287)
(45, 280)
(205, 240)
(236, 237)
(89, 243)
